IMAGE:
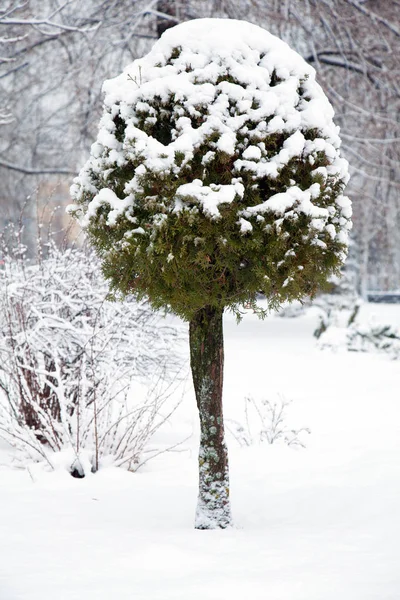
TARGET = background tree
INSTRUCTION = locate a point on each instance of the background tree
(216, 174)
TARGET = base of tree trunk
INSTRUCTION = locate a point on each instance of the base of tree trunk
(213, 506)
(206, 361)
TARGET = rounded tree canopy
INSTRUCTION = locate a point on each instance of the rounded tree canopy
(216, 173)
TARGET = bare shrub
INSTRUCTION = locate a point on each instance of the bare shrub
(68, 357)
(266, 421)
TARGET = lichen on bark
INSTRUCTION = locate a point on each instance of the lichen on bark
(207, 363)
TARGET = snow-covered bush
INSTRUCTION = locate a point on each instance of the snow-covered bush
(342, 324)
(68, 357)
(266, 421)
(339, 306)
(374, 336)
(216, 175)
(362, 335)
(290, 310)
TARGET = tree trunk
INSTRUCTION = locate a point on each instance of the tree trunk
(207, 362)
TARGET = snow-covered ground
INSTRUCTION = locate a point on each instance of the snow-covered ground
(320, 523)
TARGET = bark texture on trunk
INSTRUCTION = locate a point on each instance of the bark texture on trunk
(207, 362)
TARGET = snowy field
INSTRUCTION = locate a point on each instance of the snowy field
(314, 523)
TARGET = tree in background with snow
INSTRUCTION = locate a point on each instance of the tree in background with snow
(216, 175)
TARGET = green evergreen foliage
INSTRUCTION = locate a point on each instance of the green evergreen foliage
(165, 244)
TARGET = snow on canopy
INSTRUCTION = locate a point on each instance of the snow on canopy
(215, 90)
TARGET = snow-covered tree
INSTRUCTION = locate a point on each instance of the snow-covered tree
(216, 174)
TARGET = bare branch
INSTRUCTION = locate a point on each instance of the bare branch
(335, 61)
(375, 17)
(28, 171)
(15, 69)
(38, 22)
